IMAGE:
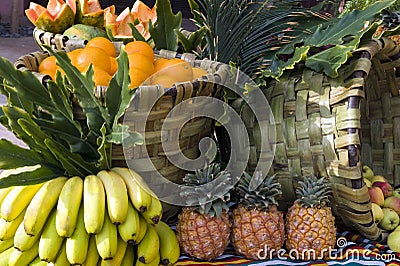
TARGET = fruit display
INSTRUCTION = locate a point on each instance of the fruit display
(203, 228)
(256, 221)
(385, 202)
(66, 219)
(310, 223)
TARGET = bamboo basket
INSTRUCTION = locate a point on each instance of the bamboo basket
(165, 100)
(332, 126)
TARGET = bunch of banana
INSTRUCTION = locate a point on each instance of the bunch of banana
(104, 218)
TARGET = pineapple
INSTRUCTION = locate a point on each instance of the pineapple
(310, 225)
(256, 222)
(203, 228)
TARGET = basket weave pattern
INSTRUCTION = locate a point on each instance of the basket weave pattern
(331, 126)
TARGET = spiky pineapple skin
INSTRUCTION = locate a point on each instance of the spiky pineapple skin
(311, 228)
(202, 236)
(255, 229)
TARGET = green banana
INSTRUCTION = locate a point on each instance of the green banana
(50, 242)
(5, 256)
(143, 228)
(129, 256)
(38, 262)
(94, 200)
(61, 259)
(18, 257)
(148, 248)
(77, 244)
(16, 201)
(154, 213)
(138, 191)
(68, 205)
(23, 241)
(8, 228)
(107, 239)
(129, 229)
(169, 245)
(118, 257)
(117, 196)
(42, 204)
(155, 262)
(6, 244)
(93, 256)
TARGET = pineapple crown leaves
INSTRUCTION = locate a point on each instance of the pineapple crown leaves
(43, 118)
(207, 190)
(257, 191)
(313, 191)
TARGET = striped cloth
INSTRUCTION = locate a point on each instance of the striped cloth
(352, 249)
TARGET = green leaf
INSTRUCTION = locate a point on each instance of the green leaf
(14, 156)
(118, 94)
(121, 135)
(163, 32)
(73, 164)
(104, 149)
(38, 175)
(136, 34)
(83, 88)
(191, 42)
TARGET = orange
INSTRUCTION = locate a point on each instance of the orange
(141, 62)
(113, 65)
(48, 65)
(101, 77)
(173, 70)
(198, 72)
(159, 64)
(95, 56)
(73, 55)
(137, 77)
(103, 43)
(140, 47)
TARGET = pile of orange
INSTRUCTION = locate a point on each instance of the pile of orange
(143, 68)
(99, 52)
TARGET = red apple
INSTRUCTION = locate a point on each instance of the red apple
(376, 195)
(387, 189)
(393, 203)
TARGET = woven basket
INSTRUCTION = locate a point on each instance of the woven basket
(331, 126)
(57, 42)
(189, 135)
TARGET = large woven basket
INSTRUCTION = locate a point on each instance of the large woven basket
(165, 100)
(332, 126)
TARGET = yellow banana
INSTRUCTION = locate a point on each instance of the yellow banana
(143, 228)
(6, 244)
(129, 256)
(107, 239)
(61, 259)
(8, 228)
(169, 245)
(50, 242)
(117, 196)
(41, 205)
(16, 201)
(93, 256)
(94, 200)
(3, 193)
(5, 256)
(18, 257)
(154, 213)
(118, 257)
(68, 205)
(38, 262)
(148, 248)
(155, 262)
(77, 244)
(129, 229)
(138, 191)
(23, 241)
